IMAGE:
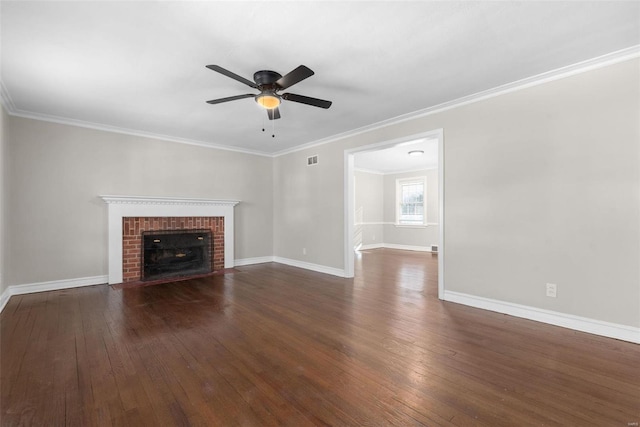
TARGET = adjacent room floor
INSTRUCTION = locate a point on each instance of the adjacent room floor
(271, 344)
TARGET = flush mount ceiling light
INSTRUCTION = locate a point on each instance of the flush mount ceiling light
(416, 153)
(268, 100)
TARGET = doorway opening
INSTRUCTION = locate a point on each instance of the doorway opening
(353, 220)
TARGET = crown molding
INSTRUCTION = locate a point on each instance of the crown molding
(401, 171)
(549, 76)
(557, 74)
(13, 111)
(371, 171)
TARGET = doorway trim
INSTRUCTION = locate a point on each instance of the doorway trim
(350, 203)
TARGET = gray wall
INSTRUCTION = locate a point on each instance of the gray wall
(369, 217)
(411, 236)
(308, 203)
(57, 225)
(375, 197)
(3, 192)
(541, 185)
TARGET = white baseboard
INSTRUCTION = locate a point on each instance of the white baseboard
(53, 285)
(583, 324)
(597, 327)
(251, 261)
(309, 266)
(371, 246)
(4, 298)
(292, 262)
(394, 246)
(408, 247)
(97, 280)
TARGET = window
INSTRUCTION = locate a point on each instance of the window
(410, 195)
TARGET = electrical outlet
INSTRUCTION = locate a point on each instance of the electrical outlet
(304, 251)
(552, 289)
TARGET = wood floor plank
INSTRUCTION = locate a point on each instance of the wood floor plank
(272, 345)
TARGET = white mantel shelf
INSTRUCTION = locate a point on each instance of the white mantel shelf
(144, 206)
(143, 200)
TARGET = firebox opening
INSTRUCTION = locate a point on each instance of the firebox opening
(175, 253)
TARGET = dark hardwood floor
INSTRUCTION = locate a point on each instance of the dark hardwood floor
(275, 345)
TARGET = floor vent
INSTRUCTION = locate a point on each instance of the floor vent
(313, 160)
(434, 248)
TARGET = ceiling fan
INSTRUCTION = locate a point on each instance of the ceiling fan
(269, 83)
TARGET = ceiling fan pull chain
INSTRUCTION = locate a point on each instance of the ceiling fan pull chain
(262, 123)
(273, 128)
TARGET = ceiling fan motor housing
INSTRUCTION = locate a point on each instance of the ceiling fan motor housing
(266, 77)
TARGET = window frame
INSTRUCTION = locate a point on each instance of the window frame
(400, 183)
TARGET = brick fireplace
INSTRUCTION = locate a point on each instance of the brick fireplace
(129, 216)
(133, 227)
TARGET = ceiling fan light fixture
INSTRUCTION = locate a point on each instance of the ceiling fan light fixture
(268, 100)
(415, 153)
(269, 83)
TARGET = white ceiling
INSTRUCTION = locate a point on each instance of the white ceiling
(397, 159)
(140, 66)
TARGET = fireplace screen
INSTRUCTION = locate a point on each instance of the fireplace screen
(175, 253)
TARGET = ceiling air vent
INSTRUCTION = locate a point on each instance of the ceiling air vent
(313, 160)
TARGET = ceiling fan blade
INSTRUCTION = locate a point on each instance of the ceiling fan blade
(294, 77)
(306, 100)
(273, 114)
(234, 76)
(230, 98)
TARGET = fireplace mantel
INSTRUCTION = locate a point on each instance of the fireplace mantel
(141, 200)
(143, 206)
